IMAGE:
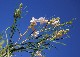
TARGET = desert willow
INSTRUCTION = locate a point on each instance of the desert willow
(41, 34)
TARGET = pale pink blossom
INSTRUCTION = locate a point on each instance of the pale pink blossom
(33, 21)
(35, 34)
(38, 53)
(42, 20)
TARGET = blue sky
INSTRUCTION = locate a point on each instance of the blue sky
(65, 9)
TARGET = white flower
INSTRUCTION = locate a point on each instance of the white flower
(42, 20)
(38, 53)
(55, 22)
(33, 21)
(35, 34)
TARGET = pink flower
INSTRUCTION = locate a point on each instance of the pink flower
(33, 21)
(42, 20)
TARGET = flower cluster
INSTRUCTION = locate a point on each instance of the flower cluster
(35, 34)
(38, 53)
(41, 20)
(55, 22)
